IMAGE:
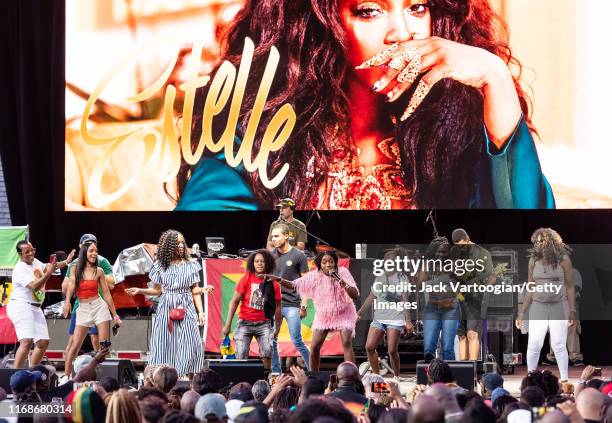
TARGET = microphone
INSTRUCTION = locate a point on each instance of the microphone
(335, 275)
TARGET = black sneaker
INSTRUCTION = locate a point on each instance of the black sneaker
(577, 363)
(549, 362)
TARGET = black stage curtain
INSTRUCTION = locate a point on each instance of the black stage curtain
(32, 111)
(32, 44)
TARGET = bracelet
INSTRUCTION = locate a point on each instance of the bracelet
(116, 317)
(455, 414)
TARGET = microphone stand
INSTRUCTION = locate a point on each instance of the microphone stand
(322, 241)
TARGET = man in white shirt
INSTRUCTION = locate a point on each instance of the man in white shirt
(24, 307)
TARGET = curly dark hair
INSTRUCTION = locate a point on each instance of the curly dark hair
(436, 142)
(167, 248)
(269, 261)
(319, 258)
(434, 245)
(548, 246)
(439, 371)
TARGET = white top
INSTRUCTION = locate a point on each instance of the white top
(23, 274)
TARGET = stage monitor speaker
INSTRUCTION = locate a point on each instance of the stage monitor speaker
(464, 373)
(121, 370)
(234, 371)
(5, 379)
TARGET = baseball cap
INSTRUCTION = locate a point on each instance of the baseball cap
(286, 202)
(81, 361)
(498, 392)
(492, 381)
(46, 370)
(242, 391)
(210, 404)
(23, 379)
(459, 234)
(519, 416)
(233, 407)
(88, 238)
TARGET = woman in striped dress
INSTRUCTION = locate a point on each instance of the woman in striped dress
(175, 280)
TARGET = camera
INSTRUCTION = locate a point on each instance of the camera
(105, 344)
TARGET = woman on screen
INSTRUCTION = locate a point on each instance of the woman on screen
(554, 311)
(399, 104)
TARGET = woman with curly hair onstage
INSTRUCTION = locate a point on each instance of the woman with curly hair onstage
(549, 262)
(399, 104)
(176, 342)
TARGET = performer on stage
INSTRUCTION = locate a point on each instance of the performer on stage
(260, 306)
(29, 278)
(176, 341)
(88, 280)
(333, 291)
(549, 263)
(573, 332)
(387, 319)
(110, 281)
(473, 308)
(297, 229)
(441, 314)
(291, 263)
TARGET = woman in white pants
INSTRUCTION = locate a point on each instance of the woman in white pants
(554, 309)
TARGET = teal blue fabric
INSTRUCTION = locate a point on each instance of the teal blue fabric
(516, 175)
(510, 179)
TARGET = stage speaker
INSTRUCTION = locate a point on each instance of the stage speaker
(464, 373)
(5, 379)
(122, 370)
(234, 371)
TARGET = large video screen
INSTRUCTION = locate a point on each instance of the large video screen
(198, 105)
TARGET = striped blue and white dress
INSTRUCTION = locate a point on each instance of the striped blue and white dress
(182, 348)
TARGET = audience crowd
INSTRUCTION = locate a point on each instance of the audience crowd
(300, 398)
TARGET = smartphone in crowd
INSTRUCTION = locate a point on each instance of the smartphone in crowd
(380, 388)
(597, 371)
(273, 377)
(333, 381)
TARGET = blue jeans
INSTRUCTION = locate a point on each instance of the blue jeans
(292, 314)
(434, 321)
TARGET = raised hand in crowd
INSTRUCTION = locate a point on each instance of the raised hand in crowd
(299, 375)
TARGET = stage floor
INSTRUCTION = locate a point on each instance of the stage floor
(512, 382)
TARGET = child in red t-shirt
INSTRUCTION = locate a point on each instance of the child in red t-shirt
(260, 304)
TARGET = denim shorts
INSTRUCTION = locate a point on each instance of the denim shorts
(383, 326)
(244, 333)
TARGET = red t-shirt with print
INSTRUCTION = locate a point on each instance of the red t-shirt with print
(251, 307)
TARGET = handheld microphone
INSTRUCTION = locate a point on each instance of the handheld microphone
(335, 275)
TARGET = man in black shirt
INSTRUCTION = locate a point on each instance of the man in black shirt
(348, 377)
(473, 305)
(291, 263)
